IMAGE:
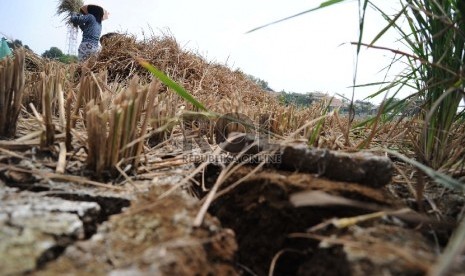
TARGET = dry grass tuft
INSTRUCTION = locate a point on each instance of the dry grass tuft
(114, 133)
(34, 62)
(12, 79)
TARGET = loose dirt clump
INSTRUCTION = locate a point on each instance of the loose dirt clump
(273, 234)
(153, 237)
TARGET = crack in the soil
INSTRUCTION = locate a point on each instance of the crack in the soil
(109, 206)
(90, 219)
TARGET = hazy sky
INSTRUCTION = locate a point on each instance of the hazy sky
(309, 53)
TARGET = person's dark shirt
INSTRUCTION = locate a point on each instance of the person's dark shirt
(91, 29)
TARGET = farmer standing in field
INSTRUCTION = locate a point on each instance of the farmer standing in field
(89, 21)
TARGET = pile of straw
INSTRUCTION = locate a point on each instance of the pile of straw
(218, 87)
(34, 62)
(215, 85)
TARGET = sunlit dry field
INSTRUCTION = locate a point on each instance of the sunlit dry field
(105, 168)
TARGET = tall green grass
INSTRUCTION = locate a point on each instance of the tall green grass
(435, 36)
(434, 33)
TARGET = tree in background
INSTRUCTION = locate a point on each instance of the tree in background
(53, 53)
(17, 44)
(57, 54)
(68, 59)
(363, 107)
(297, 99)
(263, 84)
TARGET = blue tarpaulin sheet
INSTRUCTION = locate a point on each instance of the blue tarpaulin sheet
(4, 49)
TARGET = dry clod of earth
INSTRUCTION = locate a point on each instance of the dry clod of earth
(361, 167)
(158, 241)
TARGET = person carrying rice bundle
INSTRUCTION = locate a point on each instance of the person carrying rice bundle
(89, 21)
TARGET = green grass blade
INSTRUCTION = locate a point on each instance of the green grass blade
(322, 5)
(391, 24)
(361, 27)
(172, 84)
(440, 178)
(313, 140)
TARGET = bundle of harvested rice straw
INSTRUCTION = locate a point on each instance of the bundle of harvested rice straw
(216, 85)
